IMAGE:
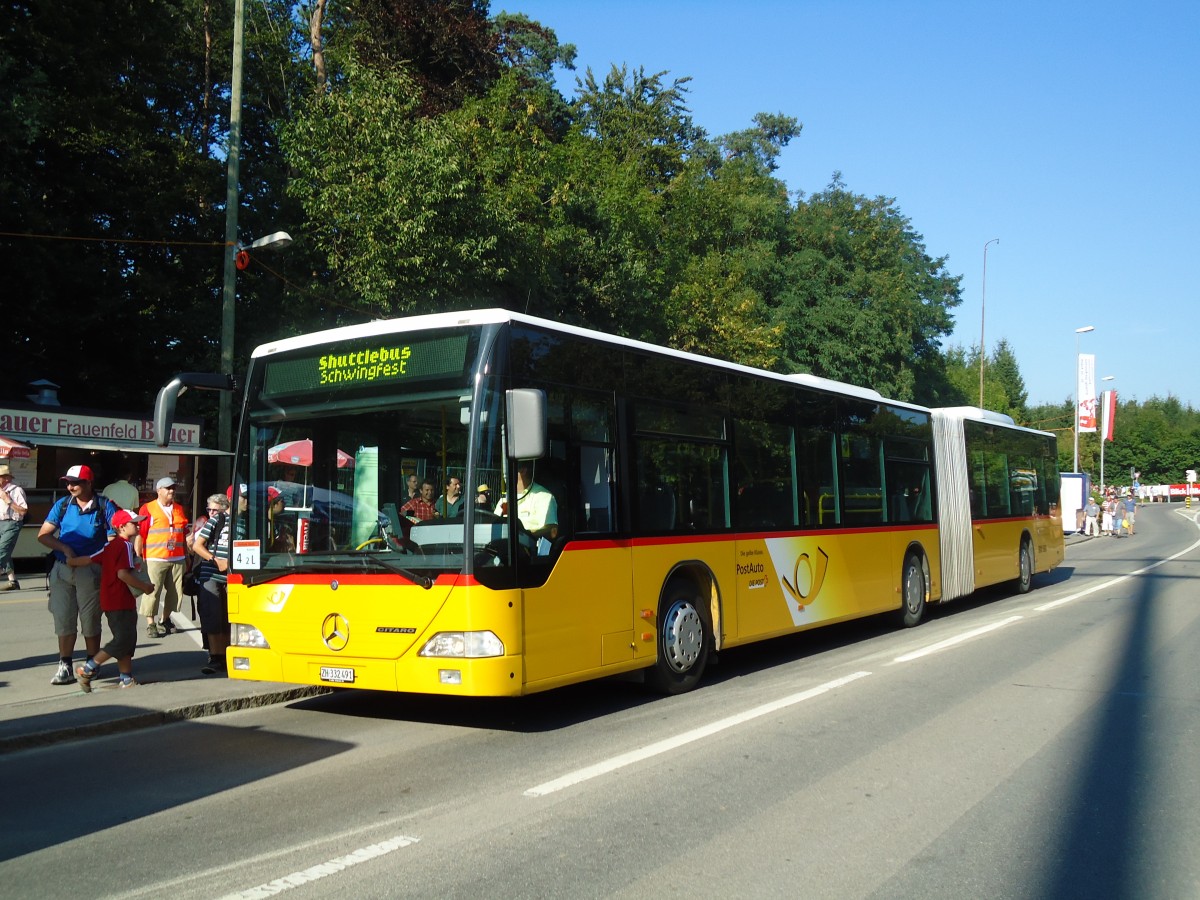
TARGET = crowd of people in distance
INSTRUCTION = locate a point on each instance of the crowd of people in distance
(1114, 516)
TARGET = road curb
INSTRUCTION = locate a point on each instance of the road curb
(150, 718)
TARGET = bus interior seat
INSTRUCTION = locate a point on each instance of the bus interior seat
(656, 508)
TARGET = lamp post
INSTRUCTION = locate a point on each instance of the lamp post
(229, 286)
(1103, 436)
(236, 260)
(234, 249)
(983, 319)
(1075, 392)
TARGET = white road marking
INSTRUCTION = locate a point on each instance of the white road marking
(957, 639)
(323, 870)
(1115, 581)
(687, 737)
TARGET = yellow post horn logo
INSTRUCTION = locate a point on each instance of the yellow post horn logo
(814, 571)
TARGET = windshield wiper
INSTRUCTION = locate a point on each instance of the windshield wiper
(423, 580)
(262, 576)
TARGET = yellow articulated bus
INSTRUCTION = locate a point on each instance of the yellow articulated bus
(490, 504)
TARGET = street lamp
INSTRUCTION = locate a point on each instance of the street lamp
(1075, 392)
(233, 250)
(1103, 430)
(983, 319)
(236, 259)
(229, 288)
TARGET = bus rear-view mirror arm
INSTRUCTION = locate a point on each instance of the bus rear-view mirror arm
(169, 393)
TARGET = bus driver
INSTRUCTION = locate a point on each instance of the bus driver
(536, 507)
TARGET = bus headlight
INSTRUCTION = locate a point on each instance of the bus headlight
(249, 636)
(463, 645)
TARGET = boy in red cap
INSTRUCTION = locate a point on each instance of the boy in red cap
(118, 578)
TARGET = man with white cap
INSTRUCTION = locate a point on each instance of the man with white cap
(77, 525)
(162, 542)
(13, 507)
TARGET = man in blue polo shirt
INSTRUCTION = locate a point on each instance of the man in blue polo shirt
(77, 525)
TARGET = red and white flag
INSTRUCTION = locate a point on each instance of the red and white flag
(1108, 412)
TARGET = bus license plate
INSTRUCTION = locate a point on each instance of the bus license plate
(339, 674)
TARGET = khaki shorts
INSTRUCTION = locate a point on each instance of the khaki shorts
(75, 597)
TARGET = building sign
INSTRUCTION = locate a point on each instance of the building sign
(23, 469)
(29, 425)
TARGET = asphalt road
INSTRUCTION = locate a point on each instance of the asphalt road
(1036, 746)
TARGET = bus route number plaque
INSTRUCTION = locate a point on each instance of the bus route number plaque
(246, 554)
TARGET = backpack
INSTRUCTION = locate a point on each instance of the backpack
(103, 520)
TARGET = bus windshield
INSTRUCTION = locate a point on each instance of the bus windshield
(355, 459)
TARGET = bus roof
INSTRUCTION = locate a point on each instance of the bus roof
(986, 416)
(494, 316)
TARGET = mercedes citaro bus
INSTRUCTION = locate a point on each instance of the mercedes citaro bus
(683, 505)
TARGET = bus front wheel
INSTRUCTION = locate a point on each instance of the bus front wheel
(912, 590)
(682, 644)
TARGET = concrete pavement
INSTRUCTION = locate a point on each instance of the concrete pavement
(33, 712)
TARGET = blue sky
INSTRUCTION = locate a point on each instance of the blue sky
(1068, 130)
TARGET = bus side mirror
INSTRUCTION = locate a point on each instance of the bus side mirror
(526, 432)
(168, 395)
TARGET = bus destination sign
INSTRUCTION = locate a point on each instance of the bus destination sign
(362, 364)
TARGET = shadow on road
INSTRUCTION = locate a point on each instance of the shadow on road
(86, 787)
(1097, 852)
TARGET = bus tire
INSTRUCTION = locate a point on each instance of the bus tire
(683, 642)
(1025, 567)
(912, 591)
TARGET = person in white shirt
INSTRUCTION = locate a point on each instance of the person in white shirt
(13, 507)
(536, 507)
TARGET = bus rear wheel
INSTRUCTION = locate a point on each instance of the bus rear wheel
(912, 591)
(1025, 568)
(682, 644)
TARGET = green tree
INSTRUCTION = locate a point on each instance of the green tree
(864, 303)
(728, 219)
(1003, 384)
(390, 197)
(446, 49)
(106, 173)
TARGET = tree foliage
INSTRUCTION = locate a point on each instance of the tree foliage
(865, 303)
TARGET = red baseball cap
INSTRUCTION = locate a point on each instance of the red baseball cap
(272, 493)
(124, 517)
(78, 473)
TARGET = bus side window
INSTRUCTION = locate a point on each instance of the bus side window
(596, 493)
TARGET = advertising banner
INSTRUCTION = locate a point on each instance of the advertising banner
(1085, 415)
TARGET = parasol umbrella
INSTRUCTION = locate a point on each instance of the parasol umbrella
(300, 453)
(10, 449)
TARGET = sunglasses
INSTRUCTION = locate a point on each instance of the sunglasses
(215, 509)
(74, 483)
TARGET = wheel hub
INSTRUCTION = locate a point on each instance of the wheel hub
(683, 636)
